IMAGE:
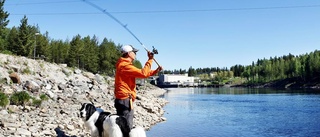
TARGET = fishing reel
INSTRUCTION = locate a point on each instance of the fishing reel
(154, 50)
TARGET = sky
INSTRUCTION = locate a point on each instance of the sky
(186, 33)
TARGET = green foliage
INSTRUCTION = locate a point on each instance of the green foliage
(41, 65)
(4, 101)
(20, 98)
(44, 97)
(58, 51)
(90, 59)
(3, 17)
(192, 72)
(3, 30)
(10, 71)
(3, 80)
(10, 111)
(305, 66)
(36, 102)
(75, 52)
(26, 70)
(108, 56)
(137, 64)
(6, 52)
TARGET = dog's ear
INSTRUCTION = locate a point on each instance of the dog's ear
(82, 106)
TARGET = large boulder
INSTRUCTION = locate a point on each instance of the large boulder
(15, 77)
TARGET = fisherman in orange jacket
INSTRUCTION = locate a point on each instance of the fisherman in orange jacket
(125, 81)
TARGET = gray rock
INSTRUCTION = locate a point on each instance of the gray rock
(23, 132)
(77, 71)
(59, 115)
(3, 112)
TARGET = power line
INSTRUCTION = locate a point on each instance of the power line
(226, 9)
(170, 11)
(34, 3)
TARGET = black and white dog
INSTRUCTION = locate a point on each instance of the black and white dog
(105, 124)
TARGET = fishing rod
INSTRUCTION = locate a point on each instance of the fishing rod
(154, 51)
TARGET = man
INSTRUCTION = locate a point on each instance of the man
(125, 81)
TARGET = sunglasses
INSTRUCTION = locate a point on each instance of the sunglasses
(134, 52)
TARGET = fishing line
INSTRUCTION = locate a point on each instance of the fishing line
(123, 25)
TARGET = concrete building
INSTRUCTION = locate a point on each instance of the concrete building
(176, 80)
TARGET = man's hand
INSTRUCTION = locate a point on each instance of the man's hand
(150, 55)
(159, 68)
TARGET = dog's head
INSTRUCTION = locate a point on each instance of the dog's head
(87, 110)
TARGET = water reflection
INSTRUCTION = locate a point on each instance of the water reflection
(235, 91)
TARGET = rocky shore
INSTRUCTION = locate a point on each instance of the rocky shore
(66, 89)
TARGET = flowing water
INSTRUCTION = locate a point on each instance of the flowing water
(239, 112)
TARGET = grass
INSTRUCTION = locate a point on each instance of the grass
(4, 99)
(20, 98)
(26, 71)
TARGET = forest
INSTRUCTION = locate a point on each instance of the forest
(89, 54)
(303, 68)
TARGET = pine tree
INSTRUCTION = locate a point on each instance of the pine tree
(75, 52)
(109, 53)
(3, 23)
(13, 38)
(90, 56)
(25, 39)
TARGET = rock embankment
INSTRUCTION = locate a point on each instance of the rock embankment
(66, 89)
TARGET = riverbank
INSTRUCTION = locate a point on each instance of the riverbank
(66, 88)
(289, 83)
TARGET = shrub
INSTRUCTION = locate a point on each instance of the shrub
(26, 71)
(44, 97)
(36, 102)
(10, 71)
(3, 80)
(20, 98)
(6, 52)
(4, 101)
(42, 65)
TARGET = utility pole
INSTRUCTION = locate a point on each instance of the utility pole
(35, 45)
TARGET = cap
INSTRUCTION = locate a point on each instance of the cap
(128, 48)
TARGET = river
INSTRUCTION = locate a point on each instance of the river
(239, 112)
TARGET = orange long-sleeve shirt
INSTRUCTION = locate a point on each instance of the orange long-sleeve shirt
(126, 74)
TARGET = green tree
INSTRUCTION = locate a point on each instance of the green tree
(90, 57)
(109, 53)
(191, 72)
(25, 39)
(316, 63)
(58, 51)
(13, 39)
(42, 44)
(137, 63)
(75, 52)
(246, 73)
(3, 23)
